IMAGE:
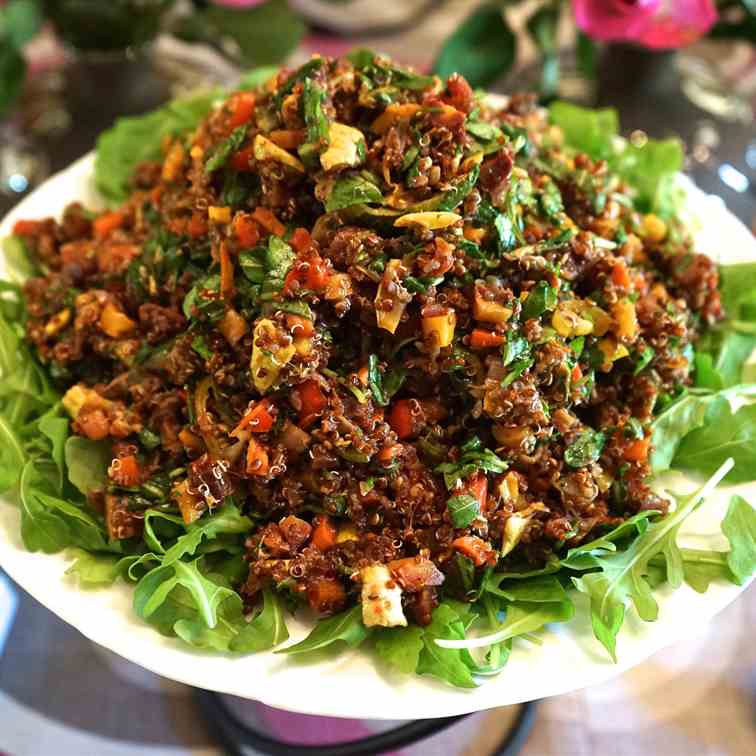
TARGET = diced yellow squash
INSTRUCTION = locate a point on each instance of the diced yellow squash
(190, 506)
(75, 398)
(654, 228)
(173, 161)
(264, 149)
(303, 345)
(391, 288)
(114, 322)
(490, 312)
(600, 319)
(430, 220)
(266, 364)
(612, 350)
(625, 320)
(219, 214)
(394, 114)
(567, 322)
(58, 322)
(346, 533)
(440, 328)
(346, 147)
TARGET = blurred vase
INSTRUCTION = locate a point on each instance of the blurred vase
(105, 25)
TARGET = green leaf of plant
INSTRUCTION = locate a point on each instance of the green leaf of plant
(724, 434)
(266, 630)
(346, 627)
(672, 425)
(256, 77)
(137, 139)
(352, 190)
(87, 462)
(482, 48)
(97, 568)
(590, 131)
(399, 648)
(739, 526)
(623, 576)
(463, 509)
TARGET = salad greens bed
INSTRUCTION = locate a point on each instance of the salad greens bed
(183, 582)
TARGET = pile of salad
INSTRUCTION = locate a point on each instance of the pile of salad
(368, 344)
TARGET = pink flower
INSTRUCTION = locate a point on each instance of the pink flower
(659, 24)
(238, 3)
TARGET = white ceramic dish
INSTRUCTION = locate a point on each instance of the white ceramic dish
(350, 685)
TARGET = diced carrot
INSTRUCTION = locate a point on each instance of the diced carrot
(287, 139)
(177, 225)
(576, 374)
(312, 401)
(637, 451)
(242, 108)
(326, 596)
(300, 240)
(324, 534)
(473, 234)
(387, 455)
(400, 418)
(621, 275)
(257, 458)
(362, 374)
(125, 471)
(259, 419)
(476, 549)
(197, 225)
(242, 160)
(156, 194)
(26, 227)
(93, 423)
(226, 272)
(299, 326)
(105, 224)
(246, 230)
(482, 339)
(269, 221)
(477, 486)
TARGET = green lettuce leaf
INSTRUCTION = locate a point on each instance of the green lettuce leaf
(739, 526)
(345, 628)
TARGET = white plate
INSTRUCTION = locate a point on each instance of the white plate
(350, 685)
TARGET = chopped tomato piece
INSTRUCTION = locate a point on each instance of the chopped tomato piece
(26, 227)
(310, 271)
(415, 573)
(477, 486)
(105, 224)
(125, 471)
(324, 535)
(260, 419)
(400, 418)
(621, 276)
(242, 108)
(312, 400)
(242, 160)
(637, 451)
(301, 240)
(576, 374)
(269, 221)
(246, 230)
(257, 458)
(482, 339)
(475, 549)
(197, 225)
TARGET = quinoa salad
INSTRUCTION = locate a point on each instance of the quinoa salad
(369, 345)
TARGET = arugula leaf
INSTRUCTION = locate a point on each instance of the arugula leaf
(737, 287)
(226, 520)
(623, 576)
(444, 663)
(346, 628)
(739, 526)
(590, 131)
(98, 569)
(352, 190)
(266, 630)
(256, 77)
(399, 648)
(723, 434)
(18, 266)
(463, 510)
(87, 463)
(672, 425)
(473, 457)
(136, 139)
